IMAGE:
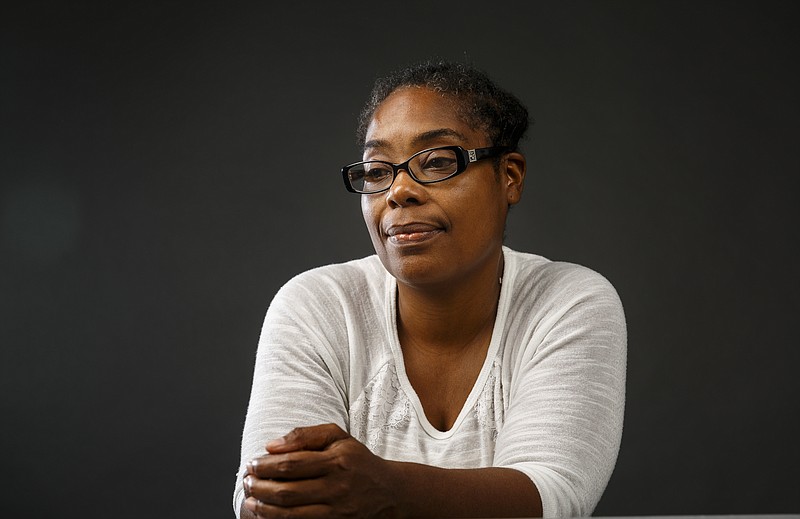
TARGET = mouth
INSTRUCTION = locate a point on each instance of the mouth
(412, 233)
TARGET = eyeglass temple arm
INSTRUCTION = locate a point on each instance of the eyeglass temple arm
(482, 153)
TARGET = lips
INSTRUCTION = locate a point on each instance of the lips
(412, 232)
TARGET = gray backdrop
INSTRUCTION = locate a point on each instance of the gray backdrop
(166, 166)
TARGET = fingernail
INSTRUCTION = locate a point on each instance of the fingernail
(251, 466)
(276, 443)
(250, 503)
(248, 482)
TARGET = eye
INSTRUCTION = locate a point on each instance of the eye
(376, 172)
(437, 164)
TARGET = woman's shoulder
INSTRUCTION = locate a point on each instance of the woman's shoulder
(542, 277)
(336, 282)
(547, 299)
(368, 270)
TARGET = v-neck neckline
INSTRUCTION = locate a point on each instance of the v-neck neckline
(491, 353)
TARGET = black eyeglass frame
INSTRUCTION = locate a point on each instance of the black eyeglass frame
(463, 159)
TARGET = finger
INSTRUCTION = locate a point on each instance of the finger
(300, 512)
(316, 437)
(253, 463)
(292, 465)
(288, 494)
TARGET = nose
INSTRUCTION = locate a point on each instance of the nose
(406, 191)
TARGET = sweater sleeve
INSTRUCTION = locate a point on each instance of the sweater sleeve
(563, 424)
(299, 377)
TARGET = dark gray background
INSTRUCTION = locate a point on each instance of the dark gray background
(166, 166)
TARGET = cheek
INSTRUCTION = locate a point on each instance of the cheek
(482, 210)
(368, 211)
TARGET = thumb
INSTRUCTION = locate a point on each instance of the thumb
(313, 438)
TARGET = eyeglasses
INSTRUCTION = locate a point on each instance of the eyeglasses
(426, 167)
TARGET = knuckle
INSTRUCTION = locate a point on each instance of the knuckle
(282, 514)
(283, 496)
(285, 466)
(342, 463)
(344, 449)
(295, 433)
(340, 489)
(332, 432)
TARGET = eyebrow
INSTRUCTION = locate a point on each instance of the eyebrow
(420, 139)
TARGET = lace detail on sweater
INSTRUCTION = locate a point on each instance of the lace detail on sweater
(489, 407)
(382, 406)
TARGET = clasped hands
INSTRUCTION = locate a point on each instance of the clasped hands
(319, 471)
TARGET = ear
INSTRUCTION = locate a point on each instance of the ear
(514, 177)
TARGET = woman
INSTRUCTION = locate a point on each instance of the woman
(447, 375)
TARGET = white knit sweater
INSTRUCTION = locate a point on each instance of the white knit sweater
(548, 401)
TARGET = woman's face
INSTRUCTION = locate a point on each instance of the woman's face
(436, 233)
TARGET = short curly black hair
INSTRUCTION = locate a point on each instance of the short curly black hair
(479, 101)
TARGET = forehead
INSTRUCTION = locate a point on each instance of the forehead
(416, 116)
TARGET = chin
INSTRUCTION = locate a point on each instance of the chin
(413, 269)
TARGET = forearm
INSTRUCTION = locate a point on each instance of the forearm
(426, 491)
(324, 472)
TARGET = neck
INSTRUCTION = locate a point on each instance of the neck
(453, 316)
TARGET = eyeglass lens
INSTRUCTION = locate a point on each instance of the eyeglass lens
(426, 166)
